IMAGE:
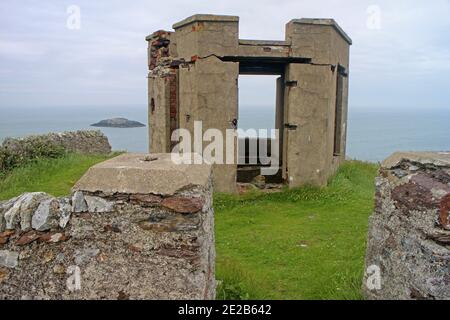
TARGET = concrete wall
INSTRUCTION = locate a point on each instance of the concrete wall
(309, 147)
(136, 227)
(312, 102)
(408, 255)
(208, 87)
(158, 114)
(208, 93)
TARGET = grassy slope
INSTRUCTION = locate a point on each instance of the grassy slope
(54, 176)
(306, 243)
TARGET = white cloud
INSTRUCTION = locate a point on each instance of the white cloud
(108, 54)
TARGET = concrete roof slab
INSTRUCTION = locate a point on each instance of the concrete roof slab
(134, 173)
(439, 159)
(324, 22)
(204, 18)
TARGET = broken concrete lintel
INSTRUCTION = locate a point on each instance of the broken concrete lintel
(248, 42)
(438, 159)
(324, 22)
(143, 174)
(205, 18)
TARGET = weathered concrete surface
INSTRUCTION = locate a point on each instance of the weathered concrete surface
(215, 87)
(142, 174)
(205, 35)
(313, 101)
(409, 231)
(145, 242)
(193, 76)
(311, 144)
(319, 39)
(264, 48)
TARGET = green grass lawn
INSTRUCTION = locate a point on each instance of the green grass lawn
(305, 243)
(54, 176)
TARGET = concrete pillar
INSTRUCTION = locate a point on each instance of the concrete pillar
(162, 92)
(159, 112)
(279, 120)
(136, 227)
(309, 131)
(313, 100)
(208, 86)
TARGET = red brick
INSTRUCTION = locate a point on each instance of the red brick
(183, 204)
(444, 214)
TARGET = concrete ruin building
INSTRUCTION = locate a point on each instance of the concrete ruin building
(193, 76)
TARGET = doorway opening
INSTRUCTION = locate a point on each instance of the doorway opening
(260, 122)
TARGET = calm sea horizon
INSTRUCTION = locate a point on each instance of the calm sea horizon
(373, 134)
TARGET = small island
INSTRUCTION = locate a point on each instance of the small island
(118, 123)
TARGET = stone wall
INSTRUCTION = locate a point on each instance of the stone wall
(408, 250)
(136, 227)
(82, 141)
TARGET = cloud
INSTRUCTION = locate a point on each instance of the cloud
(104, 62)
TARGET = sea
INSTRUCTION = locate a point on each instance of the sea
(373, 133)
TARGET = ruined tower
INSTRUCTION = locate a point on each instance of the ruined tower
(193, 75)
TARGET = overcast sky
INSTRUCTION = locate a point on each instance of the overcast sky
(400, 57)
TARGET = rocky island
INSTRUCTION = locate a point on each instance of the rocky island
(118, 123)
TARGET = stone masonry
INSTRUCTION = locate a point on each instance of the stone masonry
(136, 227)
(193, 76)
(408, 249)
(81, 141)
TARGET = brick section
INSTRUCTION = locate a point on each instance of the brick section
(158, 47)
(173, 102)
(163, 65)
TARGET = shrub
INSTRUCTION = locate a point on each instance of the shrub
(15, 154)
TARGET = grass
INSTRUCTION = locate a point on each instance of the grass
(305, 243)
(54, 176)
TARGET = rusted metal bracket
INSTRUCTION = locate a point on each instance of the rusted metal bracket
(291, 126)
(292, 83)
(342, 71)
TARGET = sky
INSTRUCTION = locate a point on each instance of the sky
(400, 57)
